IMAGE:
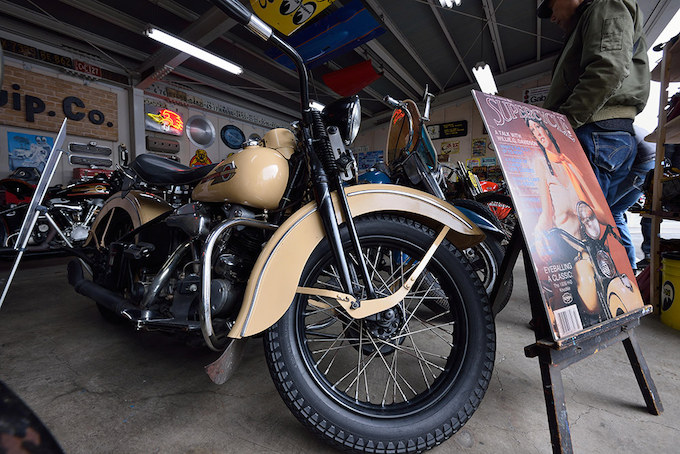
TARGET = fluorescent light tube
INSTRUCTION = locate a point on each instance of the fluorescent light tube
(485, 79)
(194, 51)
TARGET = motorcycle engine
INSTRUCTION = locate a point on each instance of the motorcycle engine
(234, 262)
(79, 232)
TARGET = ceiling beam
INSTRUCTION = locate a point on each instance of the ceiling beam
(244, 46)
(657, 19)
(513, 76)
(54, 25)
(239, 92)
(98, 9)
(495, 36)
(390, 66)
(447, 35)
(403, 40)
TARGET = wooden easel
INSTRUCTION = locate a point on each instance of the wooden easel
(555, 356)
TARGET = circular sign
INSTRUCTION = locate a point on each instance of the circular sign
(232, 137)
(200, 131)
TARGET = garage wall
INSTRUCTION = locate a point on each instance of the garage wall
(189, 105)
(375, 139)
(34, 101)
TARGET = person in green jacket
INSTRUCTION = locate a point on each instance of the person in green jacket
(600, 81)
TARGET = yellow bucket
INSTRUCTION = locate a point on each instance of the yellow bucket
(670, 285)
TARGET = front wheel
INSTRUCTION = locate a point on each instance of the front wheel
(403, 380)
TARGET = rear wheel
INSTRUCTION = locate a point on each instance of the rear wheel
(403, 380)
(486, 258)
(501, 206)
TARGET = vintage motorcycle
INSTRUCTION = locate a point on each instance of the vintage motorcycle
(600, 287)
(377, 332)
(67, 216)
(411, 160)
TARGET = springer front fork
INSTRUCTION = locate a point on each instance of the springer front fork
(322, 193)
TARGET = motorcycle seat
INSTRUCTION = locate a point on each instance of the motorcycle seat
(163, 171)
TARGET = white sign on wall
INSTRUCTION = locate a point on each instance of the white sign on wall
(535, 96)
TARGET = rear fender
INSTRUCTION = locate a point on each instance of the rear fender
(277, 271)
(141, 207)
(482, 222)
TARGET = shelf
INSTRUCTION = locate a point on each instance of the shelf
(675, 69)
(672, 132)
(671, 216)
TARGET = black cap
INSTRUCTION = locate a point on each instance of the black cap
(544, 10)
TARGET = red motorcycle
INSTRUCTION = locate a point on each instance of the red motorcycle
(68, 211)
(496, 197)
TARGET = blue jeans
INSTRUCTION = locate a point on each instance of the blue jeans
(628, 192)
(611, 155)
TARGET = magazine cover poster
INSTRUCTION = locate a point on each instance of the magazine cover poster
(582, 267)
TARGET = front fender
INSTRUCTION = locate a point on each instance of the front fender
(277, 271)
(141, 207)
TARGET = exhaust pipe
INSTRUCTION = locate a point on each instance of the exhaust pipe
(96, 292)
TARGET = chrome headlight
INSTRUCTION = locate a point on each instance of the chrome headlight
(345, 114)
(605, 264)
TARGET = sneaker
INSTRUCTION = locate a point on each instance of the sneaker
(642, 264)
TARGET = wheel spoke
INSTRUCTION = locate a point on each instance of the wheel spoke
(434, 329)
(389, 371)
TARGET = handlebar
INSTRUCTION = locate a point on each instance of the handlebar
(235, 10)
(427, 98)
(243, 16)
(393, 102)
(238, 12)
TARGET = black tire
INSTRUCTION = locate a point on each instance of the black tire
(501, 206)
(487, 257)
(414, 403)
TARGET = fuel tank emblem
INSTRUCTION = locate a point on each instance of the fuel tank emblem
(221, 174)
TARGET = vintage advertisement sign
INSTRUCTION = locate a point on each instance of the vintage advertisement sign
(581, 266)
(160, 119)
(332, 35)
(36, 101)
(288, 15)
(535, 96)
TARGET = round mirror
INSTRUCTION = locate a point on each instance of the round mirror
(200, 131)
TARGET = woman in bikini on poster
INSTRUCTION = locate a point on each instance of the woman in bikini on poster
(570, 229)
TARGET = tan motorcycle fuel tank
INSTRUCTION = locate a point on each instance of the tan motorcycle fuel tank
(256, 177)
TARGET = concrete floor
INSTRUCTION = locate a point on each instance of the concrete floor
(102, 388)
